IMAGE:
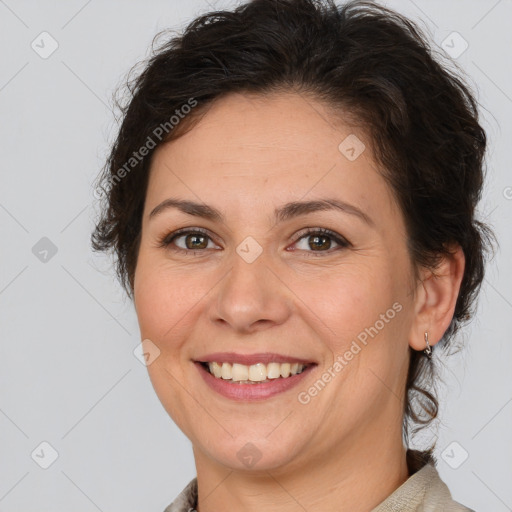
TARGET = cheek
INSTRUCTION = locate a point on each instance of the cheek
(150, 303)
(168, 299)
(159, 298)
(161, 305)
(351, 300)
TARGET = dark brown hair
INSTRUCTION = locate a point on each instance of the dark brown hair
(364, 60)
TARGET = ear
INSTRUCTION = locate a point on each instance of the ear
(436, 297)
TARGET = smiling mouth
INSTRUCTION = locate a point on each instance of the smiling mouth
(254, 374)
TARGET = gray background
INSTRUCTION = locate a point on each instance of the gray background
(69, 376)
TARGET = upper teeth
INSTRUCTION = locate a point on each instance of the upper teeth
(254, 373)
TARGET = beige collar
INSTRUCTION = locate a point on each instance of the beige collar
(424, 491)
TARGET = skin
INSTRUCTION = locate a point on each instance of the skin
(343, 450)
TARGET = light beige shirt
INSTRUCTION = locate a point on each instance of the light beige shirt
(424, 491)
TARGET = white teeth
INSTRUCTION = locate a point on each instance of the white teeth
(273, 370)
(215, 368)
(226, 371)
(255, 373)
(239, 372)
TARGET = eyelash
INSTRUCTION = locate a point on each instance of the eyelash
(168, 239)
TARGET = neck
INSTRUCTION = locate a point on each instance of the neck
(346, 479)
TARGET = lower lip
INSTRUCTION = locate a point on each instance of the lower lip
(250, 392)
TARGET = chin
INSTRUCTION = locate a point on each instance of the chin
(258, 454)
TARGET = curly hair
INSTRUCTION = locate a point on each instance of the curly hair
(360, 58)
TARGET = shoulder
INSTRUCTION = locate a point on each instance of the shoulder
(437, 495)
(424, 491)
(186, 501)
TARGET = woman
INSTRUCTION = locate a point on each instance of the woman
(291, 201)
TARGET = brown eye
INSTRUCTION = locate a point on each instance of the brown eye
(196, 241)
(320, 241)
(188, 240)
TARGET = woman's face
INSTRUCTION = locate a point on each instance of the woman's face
(254, 288)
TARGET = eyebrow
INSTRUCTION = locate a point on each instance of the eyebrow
(281, 214)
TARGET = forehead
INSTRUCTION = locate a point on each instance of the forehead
(284, 143)
(275, 127)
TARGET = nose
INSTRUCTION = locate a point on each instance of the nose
(251, 297)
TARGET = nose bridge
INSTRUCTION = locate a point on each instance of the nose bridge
(250, 295)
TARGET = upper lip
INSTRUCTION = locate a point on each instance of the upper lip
(250, 359)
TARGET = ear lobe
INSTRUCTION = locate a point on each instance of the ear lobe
(436, 297)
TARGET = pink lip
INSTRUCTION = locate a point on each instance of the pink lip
(251, 392)
(249, 359)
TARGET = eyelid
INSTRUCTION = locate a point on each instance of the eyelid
(169, 238)
(339, 239)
